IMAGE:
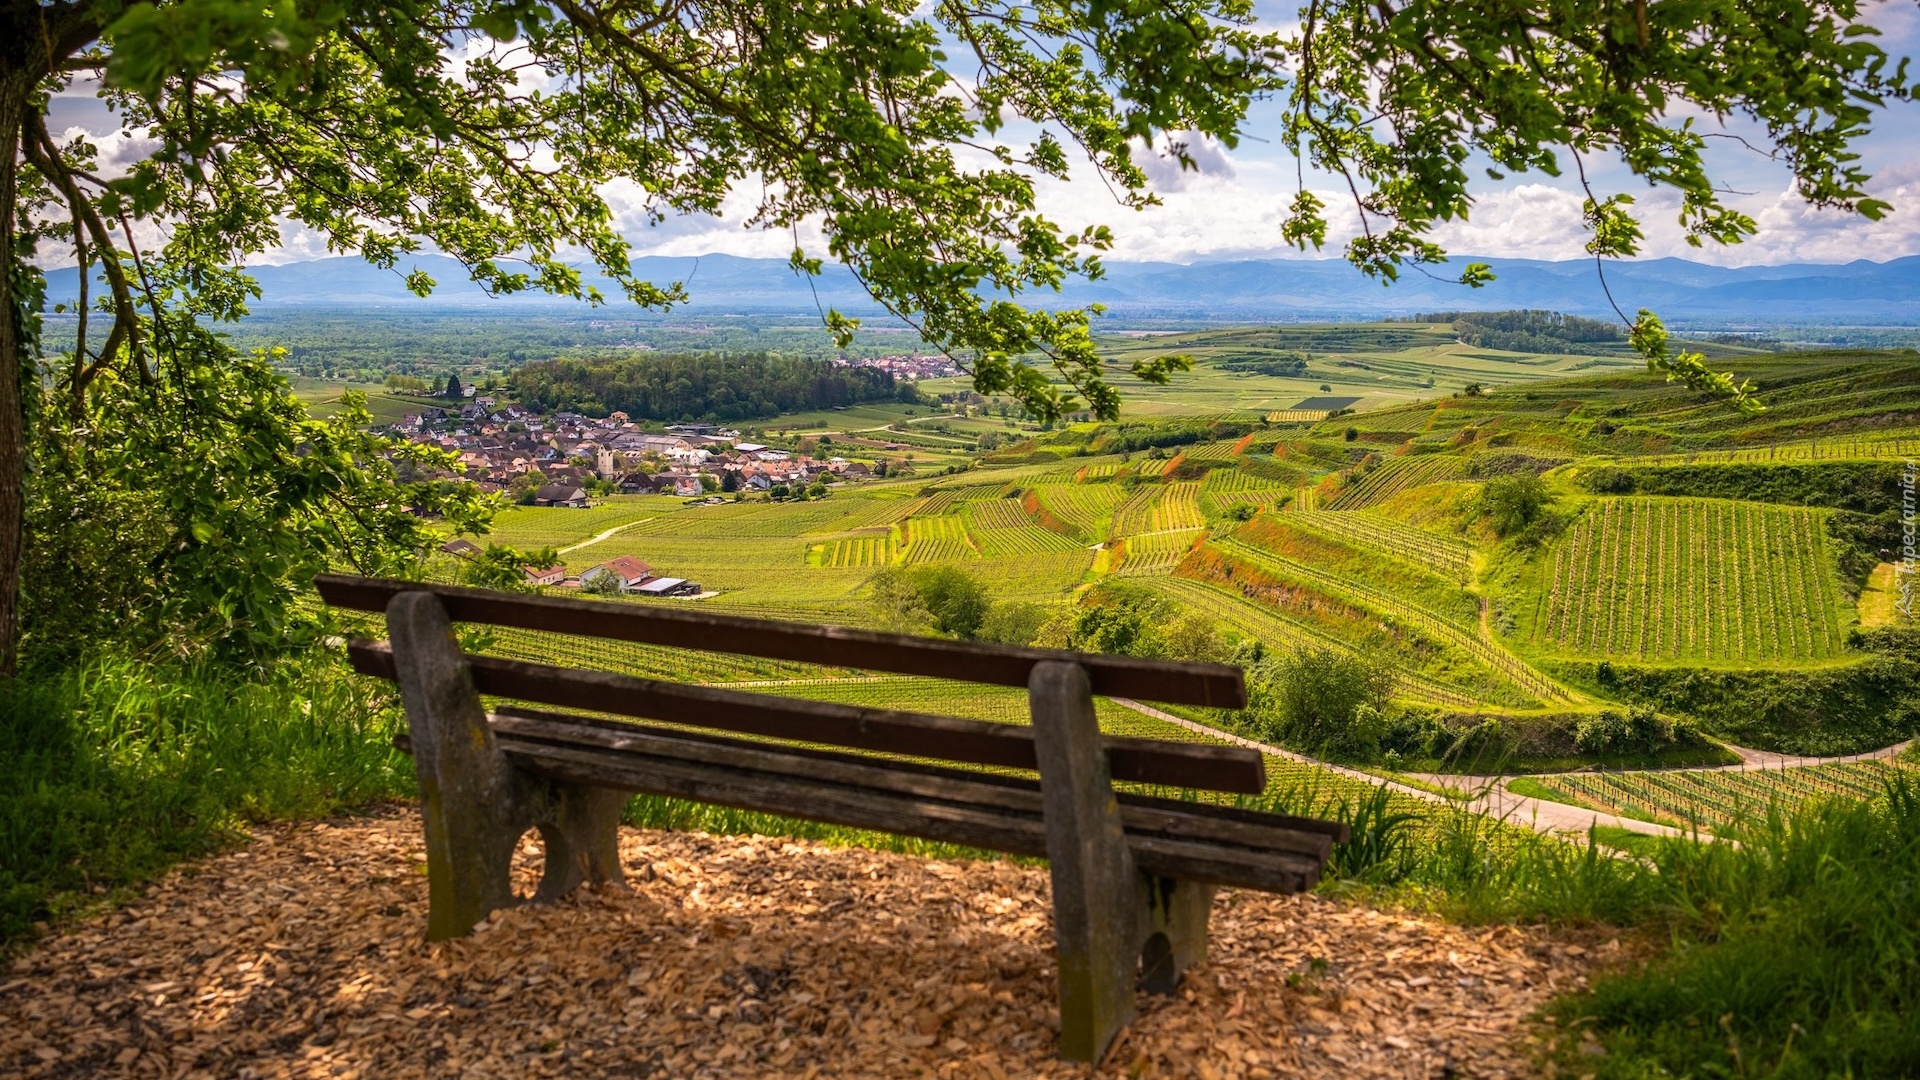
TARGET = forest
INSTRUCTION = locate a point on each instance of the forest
(1526, 331)
(701, 386)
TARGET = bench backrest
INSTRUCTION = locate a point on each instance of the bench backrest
(1176, 682)
(1177, 764)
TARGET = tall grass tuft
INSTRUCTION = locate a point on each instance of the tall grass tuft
(1796, 953)
(111, 771)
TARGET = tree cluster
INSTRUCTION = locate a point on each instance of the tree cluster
(699, 386)
(1528, 331)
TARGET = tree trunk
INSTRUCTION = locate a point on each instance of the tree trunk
(15, 87)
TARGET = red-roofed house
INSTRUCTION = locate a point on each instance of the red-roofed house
(627, 570)
(552, 575)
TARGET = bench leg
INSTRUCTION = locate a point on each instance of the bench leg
(1175, 929)
(469, 800)
(1096, 891)
(580, 829)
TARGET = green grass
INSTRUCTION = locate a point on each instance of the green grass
(114, 771)
(1796, 954)
(1638, 844)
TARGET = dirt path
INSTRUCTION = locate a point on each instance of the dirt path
(1767, 759)
(302, 955)
(604, 534)
(1490, 798)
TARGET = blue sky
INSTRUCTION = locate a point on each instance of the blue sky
(1232, 207)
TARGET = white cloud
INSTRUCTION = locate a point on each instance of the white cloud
(1205, 158)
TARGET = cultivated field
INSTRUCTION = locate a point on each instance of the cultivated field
(1715, 799)
(1695, 579)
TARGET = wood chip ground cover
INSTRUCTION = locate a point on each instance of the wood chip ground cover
(303, 955)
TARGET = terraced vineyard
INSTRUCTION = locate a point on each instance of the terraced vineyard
(1156, 553)
(1695, 579)
(856, 551)
(1160, 508)
(1227, 481)
(539, 526)
(1485, 652)
(1047, 577)
(946, 500)
(1085, 507)
(1272, 630)
(1024, 540)
(1394, 476)
(1445, 555)
(1716, 798)
(997, 514)
(1216, 451)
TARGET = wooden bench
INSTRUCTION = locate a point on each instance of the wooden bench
(1133, 875)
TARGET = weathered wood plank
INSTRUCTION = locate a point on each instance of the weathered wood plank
(1217, 685)
(1096, 913)
(1169, 818)
(977, 742)
(978, 818)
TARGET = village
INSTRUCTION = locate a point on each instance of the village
(567, 459)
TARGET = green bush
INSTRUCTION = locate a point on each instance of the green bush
(1514, 501)
(1640, 730)
(1844, 709)
(1322, 700)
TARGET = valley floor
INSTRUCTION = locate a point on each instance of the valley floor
(301, 954)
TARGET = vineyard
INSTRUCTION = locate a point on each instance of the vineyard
(1716, 798)
(1214, 503)
(1261, 624)
(1444, 555)
(855, 551)
(1085, 507)
(1427, 621)
(1159, 508)
(1695, 579)
(1047, 577)
(1023, 540)
(1217, 451)
(1897, 446)
(1229, 481)
(540, 526)
(948, 499)
(998, 514)
(1392, 477)
(1156, 553)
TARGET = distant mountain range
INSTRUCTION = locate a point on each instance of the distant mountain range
(1267, 290)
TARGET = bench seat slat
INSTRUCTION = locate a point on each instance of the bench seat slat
(978, 742)
(982, 821)
(1337, 832)
(1178, 821)
(1216, 685)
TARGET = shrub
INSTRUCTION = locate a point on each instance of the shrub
(1014, 623)
(1323, 700)
(944, 599)
(1513, 502)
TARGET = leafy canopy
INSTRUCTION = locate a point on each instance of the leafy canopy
(916, 136)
